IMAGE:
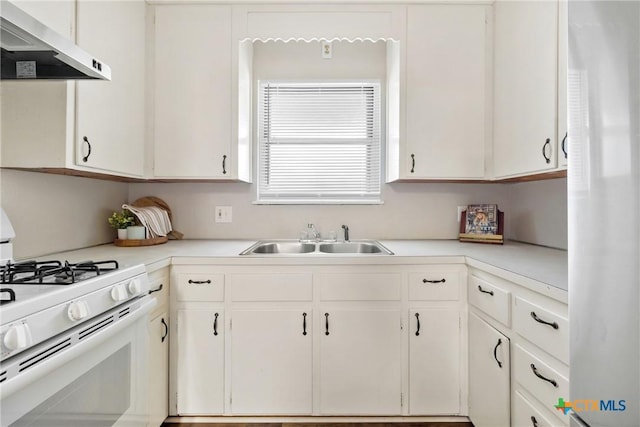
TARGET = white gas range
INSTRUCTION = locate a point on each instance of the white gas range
(73, 343)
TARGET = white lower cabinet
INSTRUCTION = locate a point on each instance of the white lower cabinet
(360, 362)
(489, 375)
(526, 414)
(434, 361)
(200, 367)
(158, 370)
(271, 361)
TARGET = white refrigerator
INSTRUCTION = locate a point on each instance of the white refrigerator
(604, 211)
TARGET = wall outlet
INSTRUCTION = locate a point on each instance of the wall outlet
(460, 209)
(224, 214)
(327, 50)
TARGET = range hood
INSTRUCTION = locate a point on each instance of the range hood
(31, 50)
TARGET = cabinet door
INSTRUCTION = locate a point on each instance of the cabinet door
(489, 378)
(360, 362)
(159, 370)
(446, 77)
(271, 362)
(192, 120)
(434, 362)
(525, 93)
(563, 84)
(200, 364)
(111, 114)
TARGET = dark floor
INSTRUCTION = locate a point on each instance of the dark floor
(408, 424)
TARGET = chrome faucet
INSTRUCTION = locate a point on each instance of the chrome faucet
(313, 232)
(346, 232)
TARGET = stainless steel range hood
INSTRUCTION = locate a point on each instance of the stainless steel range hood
(31, 50)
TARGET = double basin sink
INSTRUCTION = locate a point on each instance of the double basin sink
(288, 247)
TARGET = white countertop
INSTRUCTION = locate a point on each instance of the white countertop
(527, 264)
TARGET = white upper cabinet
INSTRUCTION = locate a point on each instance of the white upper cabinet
(110, 115)
(525, 87)
(446, 74)
(192, 121)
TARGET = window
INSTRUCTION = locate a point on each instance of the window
(319, 142)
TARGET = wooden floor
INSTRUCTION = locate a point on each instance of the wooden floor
(407, 424)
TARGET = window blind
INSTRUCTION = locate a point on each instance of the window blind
(319, 142)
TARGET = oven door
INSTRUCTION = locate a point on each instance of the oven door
(97, 380)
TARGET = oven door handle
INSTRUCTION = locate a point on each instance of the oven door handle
(60, 359)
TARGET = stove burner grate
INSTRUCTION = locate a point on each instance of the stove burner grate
(53, 272)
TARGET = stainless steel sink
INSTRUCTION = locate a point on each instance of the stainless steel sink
(368, 247)
(289, 247)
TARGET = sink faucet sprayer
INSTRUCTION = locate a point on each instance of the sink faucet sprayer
(346, 232)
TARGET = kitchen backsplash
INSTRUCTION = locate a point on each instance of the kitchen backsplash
(52, 213)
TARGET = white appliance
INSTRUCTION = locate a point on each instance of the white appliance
(31, 50)
(604, 203)
(73, 344)
(7, 234)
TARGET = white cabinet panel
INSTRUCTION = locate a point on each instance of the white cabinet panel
(434, 362)
(110, 115)
(446, 85)
(489, 375)
(525, 87)
(271, 362)
(192, 95)
(360, 362)
(200, 364)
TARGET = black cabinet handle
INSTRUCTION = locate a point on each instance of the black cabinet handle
(166, 329)
(547, 143)
(224, 164)
(554, 325)
(326, 323)
(485, 292)
(158, 289)
(413, 163)
(534, 422)
(199, 282)
(304, 323)
(418, 320)
(434, 281)
(215, 324)
(564, 145)
(86, 158)
(495, 352)
(535, 371)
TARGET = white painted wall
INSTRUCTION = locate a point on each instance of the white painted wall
(52, 213)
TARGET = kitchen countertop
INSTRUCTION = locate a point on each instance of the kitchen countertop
(537, 267)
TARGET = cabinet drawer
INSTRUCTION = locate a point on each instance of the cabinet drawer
(545, 328)
(159, 289)
(200, 287)
(525, 414)
(491, 299)
(438, 285)
(537, 376)
(360, 287)
(271, 287)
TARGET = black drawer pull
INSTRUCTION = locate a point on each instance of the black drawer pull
(564, 145)
(326, 323)
(215, 324)
(304, 323)
(199, 282)
(485, 292)
(86, 158)
(434, 281)
(554, 325)
(534, 422)
(158, 289)
(535, 371)
(166, 329)
(418, 320)
(495, 353)
(413, 163)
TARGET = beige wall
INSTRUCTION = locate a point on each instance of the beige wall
(52, 213)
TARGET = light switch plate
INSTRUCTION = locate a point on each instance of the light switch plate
(224, 214)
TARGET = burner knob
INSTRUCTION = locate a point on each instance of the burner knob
(17, 337)
(135, 287)
(119, 293)
(78, 310)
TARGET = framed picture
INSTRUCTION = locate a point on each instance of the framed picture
(483, 223)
